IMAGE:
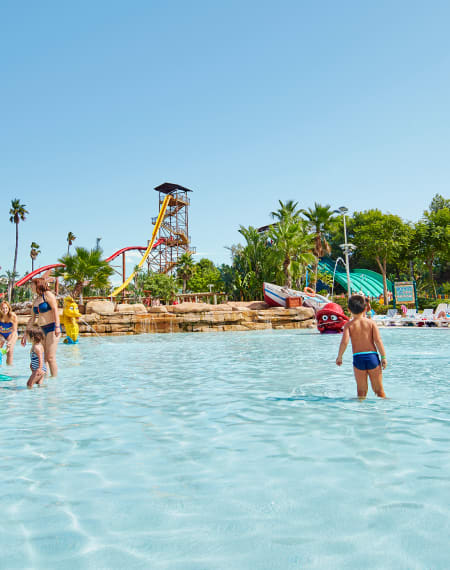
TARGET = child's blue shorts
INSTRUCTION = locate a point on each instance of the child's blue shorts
(366, 360)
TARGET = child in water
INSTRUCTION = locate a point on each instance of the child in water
(37, 366)
(366, 344)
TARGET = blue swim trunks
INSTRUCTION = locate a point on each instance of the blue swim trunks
(366, 360)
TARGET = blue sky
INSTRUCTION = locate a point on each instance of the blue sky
(245, 102)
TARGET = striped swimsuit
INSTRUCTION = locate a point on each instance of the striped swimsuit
(35, 361)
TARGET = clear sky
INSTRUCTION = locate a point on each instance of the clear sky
(244, 101)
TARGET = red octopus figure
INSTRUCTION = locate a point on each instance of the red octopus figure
(331, 319)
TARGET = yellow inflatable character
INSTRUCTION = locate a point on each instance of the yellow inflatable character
(69, 319)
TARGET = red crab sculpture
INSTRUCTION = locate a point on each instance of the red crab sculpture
(331, 319)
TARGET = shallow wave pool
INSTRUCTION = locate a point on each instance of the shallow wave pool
(227, 451)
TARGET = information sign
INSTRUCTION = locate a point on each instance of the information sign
(404, 292)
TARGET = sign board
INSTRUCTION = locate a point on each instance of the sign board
(404, 292)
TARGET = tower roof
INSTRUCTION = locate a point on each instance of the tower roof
(169, 187)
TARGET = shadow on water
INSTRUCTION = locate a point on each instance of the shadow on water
(310, 398)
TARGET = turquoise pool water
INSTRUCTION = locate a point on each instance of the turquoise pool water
(227, 451)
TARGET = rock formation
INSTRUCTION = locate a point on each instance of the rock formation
(103, 318)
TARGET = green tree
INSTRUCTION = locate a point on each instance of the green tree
(205, 274)
(287, 211)
(431, 241)
(70, 239)
(185, 269)
(320, 221)
(161, 285)
(17, 213)
(85, 269)
(438, 203)
(381, 237)
(293, 245)
(34, 252)
(253, 263)
(7, 279)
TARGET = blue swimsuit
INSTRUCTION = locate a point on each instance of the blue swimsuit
(5, 329)
(366, 360)
(44, 307)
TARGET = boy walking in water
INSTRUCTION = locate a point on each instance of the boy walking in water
(366, 344)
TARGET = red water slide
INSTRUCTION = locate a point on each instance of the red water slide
(108, 259)
(37, 272)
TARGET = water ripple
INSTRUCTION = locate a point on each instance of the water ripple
(237, 451)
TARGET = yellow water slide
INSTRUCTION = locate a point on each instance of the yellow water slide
(159, 220)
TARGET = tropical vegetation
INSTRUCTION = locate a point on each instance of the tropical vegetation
(17, 213)
(34, 252)
(85, 272)
(385, 243)
(71, 237)
(285, 252)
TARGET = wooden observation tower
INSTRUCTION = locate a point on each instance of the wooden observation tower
(173, 234)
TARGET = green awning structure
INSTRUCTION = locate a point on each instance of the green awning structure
(365, 280)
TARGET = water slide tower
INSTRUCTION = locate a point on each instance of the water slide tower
(174, 230)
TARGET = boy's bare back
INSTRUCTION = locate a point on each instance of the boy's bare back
(362, 334)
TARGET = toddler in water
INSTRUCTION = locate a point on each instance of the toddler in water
(366, 344)
(37, 366)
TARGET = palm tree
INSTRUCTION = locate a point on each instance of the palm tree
(7, 278)
(255, 262)
(320, 220)
(185, 268)
(85, 268)
(286, 211)
(70, 239)
(291, 240)
(34, 252)
(17, 213)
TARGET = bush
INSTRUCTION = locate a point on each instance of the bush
(379, 308)
(430, 303)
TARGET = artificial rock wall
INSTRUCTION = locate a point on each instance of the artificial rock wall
(103, 318)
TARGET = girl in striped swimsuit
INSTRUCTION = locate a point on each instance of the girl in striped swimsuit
(37, 366)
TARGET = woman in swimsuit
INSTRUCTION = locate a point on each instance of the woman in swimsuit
(8, 330)
(45, 308)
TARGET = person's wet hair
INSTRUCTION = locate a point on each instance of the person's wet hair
(41, 285)
(35, 333)
(357, 304)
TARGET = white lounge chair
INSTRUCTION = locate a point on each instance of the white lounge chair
(427, 318)
(411, 317)
(393, 318)
(442, 315)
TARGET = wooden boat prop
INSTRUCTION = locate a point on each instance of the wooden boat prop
(275, 296)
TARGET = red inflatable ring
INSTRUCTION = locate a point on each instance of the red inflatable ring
(309, 291)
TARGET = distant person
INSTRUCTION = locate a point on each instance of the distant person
(8, 330)
(38, 369)
(369, 311)
(366, 344)
(45, 308)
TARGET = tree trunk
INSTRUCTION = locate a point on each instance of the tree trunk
(288, 279)
(430, 269)
(11, 292)
(78, 289)
(68, 247)
(184, 285)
